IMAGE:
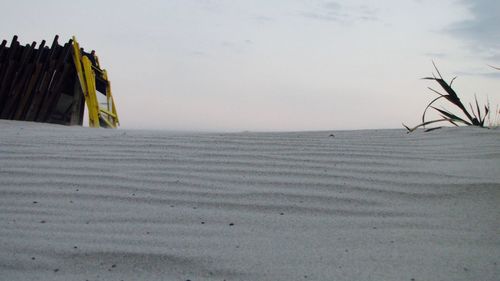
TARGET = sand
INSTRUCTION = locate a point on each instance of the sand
(92, 204)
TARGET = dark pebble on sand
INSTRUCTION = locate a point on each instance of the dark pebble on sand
(42, 221)
(34, 202)
(282, 214)
(231, 224)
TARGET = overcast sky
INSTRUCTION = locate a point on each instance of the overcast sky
(235, 65)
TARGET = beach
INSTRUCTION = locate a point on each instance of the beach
(94, 204)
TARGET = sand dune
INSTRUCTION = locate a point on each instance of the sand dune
(89, 204)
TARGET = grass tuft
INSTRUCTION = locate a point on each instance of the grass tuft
(474, 117)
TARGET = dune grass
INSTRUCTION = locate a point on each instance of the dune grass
(474, 117)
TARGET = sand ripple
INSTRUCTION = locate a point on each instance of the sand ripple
(83, 204)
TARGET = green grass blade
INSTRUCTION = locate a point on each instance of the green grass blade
(478, 111)
(432, 129)
(448, 89)
(424, 124)
(435, 91)
(472, 110)
(437, 70)
(451, 82)
(451, 116)
(429, 105)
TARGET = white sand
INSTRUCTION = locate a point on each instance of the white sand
(87, 204)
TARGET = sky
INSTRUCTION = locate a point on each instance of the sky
(274, 65)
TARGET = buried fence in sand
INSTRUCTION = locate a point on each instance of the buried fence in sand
(53, 84)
